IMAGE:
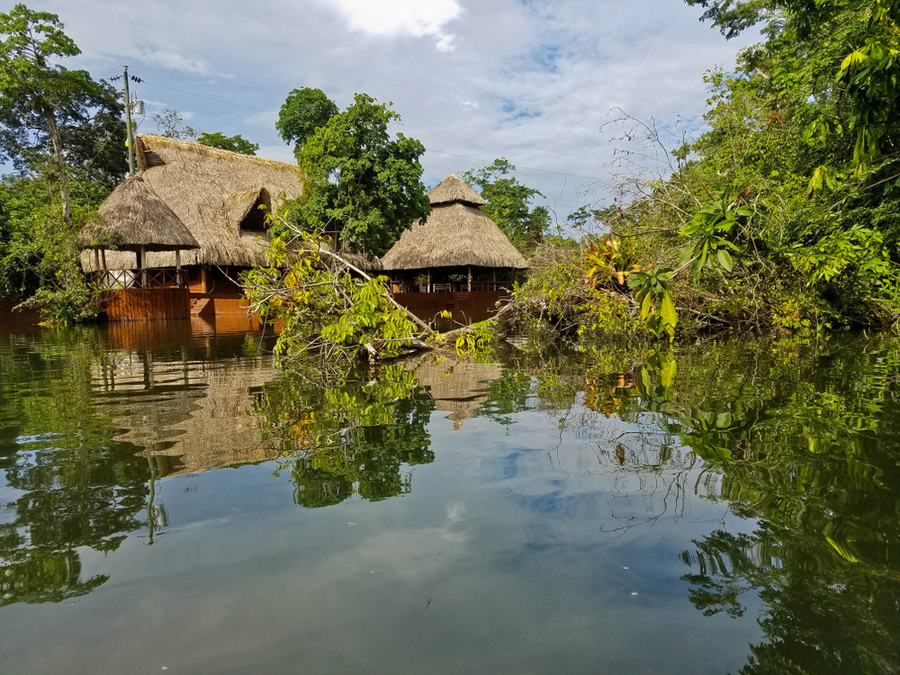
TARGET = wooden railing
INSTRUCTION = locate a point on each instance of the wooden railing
(114, 280)
(463, 287)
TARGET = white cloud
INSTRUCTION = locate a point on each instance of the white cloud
(530, 80)
(417, 18)
(174, 61)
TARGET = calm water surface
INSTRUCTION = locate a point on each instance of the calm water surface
(170, 502)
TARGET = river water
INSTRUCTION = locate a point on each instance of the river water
(170, 502)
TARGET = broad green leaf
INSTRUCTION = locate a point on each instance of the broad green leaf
(668, 372)
(724, 259)
(667, 310)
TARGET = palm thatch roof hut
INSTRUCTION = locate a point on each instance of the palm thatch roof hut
(134, 217)
(457, 234)
(216, 194)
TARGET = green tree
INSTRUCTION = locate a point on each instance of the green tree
(237, 143)
(303, 113)
(842, 53)
(783, 214)
(34, 90)
(508, 203)
(64, 135)
(365, 185)
(39, 252)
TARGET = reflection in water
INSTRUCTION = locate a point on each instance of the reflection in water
(803, 441)
(338, 439)
(90, 419)
(459, 387)
(760, 481)
(68, 484)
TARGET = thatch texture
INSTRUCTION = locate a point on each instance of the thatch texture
(211, 191)
(204, 416)
(454, 235)
(454, 189)
(134, 216)
(457, 387)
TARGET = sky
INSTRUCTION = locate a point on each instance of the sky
(535, 81)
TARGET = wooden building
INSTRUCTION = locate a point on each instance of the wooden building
(221, 198)
(457, 259)
(134, 218)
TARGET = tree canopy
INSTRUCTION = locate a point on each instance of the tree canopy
(64, 135)
(36, 94)
(237, 143)
(366, 184)
(303, 112)
(508, 203)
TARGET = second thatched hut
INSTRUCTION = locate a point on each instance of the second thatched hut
(458, 248)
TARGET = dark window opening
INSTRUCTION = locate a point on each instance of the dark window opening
(255, 220)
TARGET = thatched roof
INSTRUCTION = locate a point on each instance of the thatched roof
(203, 416)
(456, 234)
(134, 216)
(459, 387)
(211, 191)
(454, 189)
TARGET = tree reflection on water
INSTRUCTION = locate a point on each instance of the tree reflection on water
(73, 487)
(350, 437)
(800, 438)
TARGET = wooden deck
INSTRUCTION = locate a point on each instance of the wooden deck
(147, 304)
(465, 307)
(14, 319)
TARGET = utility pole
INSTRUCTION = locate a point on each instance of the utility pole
(128, 126)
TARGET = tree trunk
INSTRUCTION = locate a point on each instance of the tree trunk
(61, 166)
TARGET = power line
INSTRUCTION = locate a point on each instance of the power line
(210, 98)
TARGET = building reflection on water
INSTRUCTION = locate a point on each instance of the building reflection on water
(92, 420)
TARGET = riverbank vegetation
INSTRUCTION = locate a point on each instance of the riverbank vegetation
(782, 216)
(63, 135)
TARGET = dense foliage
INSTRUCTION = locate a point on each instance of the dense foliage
(509, 204)
(365, 185)
(328, 313)
(64, 135)
(783, 215)
(303, 113)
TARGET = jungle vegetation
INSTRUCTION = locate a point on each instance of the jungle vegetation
(782, 216)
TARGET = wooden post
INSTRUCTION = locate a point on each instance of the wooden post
(204, 280)
(428, 272)
(178, 268)
(494, 272)
(470, 278)
(128, 126)
(142, 275)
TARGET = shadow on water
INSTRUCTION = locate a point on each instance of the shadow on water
(799, 441)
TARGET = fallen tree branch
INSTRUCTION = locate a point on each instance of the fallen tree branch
(386, 295)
